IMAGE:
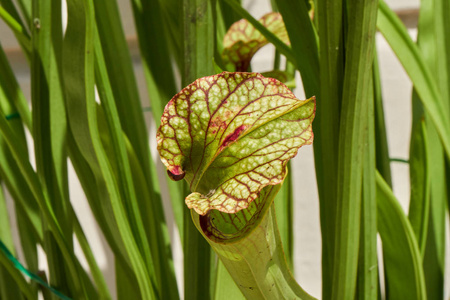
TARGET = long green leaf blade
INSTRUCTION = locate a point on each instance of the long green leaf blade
(353, 125)
(413, 63)
(198, 49)
(402, 262)
(78, 66)
(161, 84)
(126, 98)
(119, 159)
(381, 148)
(419, 207)
(367, 285)
(430, 40)
(49, 130)
(326, 127)
(161, 81)
(304, 43)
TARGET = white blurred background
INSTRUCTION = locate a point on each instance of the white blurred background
(396, 88)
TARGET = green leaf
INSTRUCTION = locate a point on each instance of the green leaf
(49, 130)
(434, 251)
(367, 285)
(428, 207)
(242, 40)
(161, 85)
(419, 207)
(229, 15)
(230, 135)
(78, 71)
(402, 261)
(352, 142)
(330, 80)
(414, 64)
(119, 158)
(304, 40)
(382, 151)
(19, 152)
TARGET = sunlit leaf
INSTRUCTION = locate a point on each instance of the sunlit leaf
(230, 135)
(242, 39)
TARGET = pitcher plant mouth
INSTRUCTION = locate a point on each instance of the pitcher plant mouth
(225, 228)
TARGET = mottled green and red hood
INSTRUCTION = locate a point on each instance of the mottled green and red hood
(230, 135)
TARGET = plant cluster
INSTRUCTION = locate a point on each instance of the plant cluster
(226, 139)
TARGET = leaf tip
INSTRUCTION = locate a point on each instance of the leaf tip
(175, 173)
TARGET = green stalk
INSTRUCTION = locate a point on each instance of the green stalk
(367, 284)
(359, 57)
(198, 62)
(327, 127)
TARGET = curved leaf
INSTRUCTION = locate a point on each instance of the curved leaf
(242, 40)
(230, 135)
(401, 254)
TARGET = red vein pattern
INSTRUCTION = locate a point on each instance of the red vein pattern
(230, 135)
(242, 40)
